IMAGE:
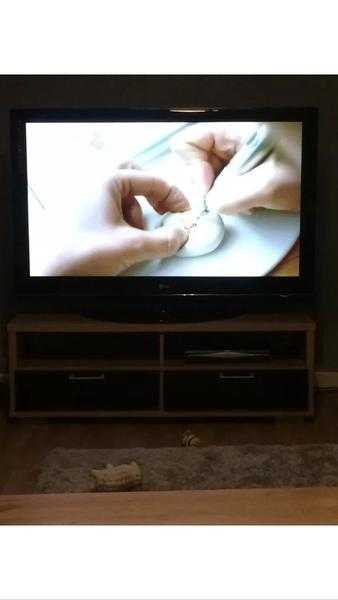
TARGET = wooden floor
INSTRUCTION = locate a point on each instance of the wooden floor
(23, 444)
(306, 506)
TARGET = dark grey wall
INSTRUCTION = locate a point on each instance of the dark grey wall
(242, 91)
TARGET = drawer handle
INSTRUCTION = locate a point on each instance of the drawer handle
(238, 377)
(86, 377)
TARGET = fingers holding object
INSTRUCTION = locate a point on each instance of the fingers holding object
(232, 193)
(162, 196)
(205, 150)
(132, 212)
(157, 244)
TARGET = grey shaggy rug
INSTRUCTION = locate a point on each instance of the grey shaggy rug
(213, 467)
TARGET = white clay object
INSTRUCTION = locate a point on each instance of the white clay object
(206, 231)
(119, 478)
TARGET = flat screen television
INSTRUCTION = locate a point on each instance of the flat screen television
(139, 212)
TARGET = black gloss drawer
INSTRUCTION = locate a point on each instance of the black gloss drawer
(235, 390)
(87, 390)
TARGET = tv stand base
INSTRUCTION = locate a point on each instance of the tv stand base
(67, 366)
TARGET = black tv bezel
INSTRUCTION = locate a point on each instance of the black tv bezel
(131, 287)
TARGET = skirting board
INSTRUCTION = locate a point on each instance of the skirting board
(325, 380)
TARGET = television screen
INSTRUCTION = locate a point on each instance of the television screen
(163, 198)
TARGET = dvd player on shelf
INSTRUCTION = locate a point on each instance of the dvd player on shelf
(230, 355)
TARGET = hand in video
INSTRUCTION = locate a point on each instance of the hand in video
(110, 236)
(207, 150)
